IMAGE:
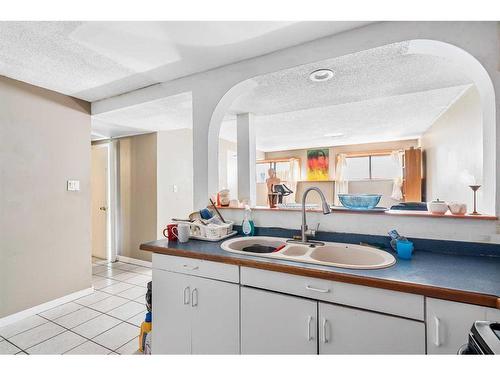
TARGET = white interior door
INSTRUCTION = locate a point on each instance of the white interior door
(100, 207)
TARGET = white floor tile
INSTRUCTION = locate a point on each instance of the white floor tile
(89, 347)
(127, 310)
(117, 336)
(126, 266)
(133, 293)
(137, 320)
(7, 348)
(140, 280)
(22, 325)
(141, 299)
(124, 276)
(109, 303)
(131, 347)
(77, 317)
(92, 298)
(58, 344)
(61, 310)
(117, 288)
(144, 271)
(98, 268)
(103, 283)
(110, 272)
(36, 335)
(96, 326)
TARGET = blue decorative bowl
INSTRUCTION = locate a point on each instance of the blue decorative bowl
(359, 201)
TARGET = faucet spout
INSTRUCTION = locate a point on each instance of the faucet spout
(325, 207)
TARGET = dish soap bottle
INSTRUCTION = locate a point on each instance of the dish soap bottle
(248, 226)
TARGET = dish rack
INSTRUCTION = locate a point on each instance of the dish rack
(211, 231)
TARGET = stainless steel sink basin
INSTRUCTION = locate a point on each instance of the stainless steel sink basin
(331, 254)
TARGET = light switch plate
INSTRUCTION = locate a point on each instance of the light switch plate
(174, 188)
(73, 185)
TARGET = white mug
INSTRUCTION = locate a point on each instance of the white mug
(183, 231)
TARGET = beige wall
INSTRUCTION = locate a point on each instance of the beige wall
(453, 149)
(44, 230)
(174, 167)
(138, 194)
(327, 187)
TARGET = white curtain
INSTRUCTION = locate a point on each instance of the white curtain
(397, 193)
(341, 184)
(293, 179)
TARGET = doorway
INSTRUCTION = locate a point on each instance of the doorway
(102, 201)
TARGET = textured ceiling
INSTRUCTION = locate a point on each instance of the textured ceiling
(95, 60)
(377, 95)
(375, 120)
(380, 72)
(170, 113)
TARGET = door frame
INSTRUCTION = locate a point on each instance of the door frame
(111, 198)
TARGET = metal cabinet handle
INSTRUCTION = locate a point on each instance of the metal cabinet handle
(309, 335)
(325, 337)
(186, 295)
(308, 287)
(190, 268)
(437, 341)
(194, 297)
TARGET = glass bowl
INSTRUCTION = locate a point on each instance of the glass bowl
(359, 201)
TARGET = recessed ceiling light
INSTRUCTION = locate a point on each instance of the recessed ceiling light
(334, 135)
(321, 75)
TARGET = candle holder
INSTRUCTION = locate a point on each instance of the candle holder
(475, 188)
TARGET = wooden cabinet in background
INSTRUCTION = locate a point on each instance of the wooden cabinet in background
(412, 175)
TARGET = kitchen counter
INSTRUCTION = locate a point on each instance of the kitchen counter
(461, 278)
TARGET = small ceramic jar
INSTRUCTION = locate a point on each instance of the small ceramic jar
(224, 197)
(457, 208)
(437, 207)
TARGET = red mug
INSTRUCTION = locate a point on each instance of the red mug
(171, 230)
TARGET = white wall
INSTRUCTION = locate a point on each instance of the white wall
(174, 168)
(45, 243)
(453, 150)
(211, 88)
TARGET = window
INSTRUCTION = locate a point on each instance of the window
(371, 167)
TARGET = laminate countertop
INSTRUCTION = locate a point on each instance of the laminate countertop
(461, 278)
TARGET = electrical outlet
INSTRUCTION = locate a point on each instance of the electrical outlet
(73, 185)
(174, 188)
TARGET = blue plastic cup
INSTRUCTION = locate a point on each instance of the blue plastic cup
(404, 249)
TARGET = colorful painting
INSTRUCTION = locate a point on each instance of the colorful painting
(317, 165)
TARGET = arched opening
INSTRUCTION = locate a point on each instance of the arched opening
(458, 82)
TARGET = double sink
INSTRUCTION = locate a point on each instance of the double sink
(329, 254)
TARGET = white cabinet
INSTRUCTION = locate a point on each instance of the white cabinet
(273, 323)
(344, 330)
(194, 315)
(448, 324)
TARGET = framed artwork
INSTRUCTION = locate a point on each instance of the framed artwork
(317, 164)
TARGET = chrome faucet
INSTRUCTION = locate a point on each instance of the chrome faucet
(303, 228)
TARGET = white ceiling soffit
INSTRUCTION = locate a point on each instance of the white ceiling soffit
(94, 60)
(170, 113)
(375, 120)
(380, 72)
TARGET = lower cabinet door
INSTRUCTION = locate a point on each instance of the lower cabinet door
(449, 323)
(273, 323)
(171, 327)
(344, 330)
(215, 317)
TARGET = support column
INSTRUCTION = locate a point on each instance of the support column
(245, 132)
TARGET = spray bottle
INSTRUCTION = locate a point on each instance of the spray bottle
(248, 226)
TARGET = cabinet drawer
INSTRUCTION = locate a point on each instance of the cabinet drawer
(375, 299)
(197, 267)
